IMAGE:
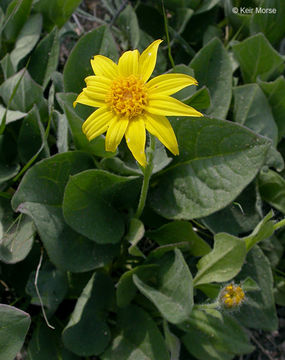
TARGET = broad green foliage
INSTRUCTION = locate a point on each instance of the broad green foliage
(98, 41)
(97, 262)
(55, 12)
(90, 199)
(14, 324)
(225, 336)
(174, 294)
(211, 153)
(90, 314)
(218, 77)
(223, 262)
(258, 311)
(139, 337)
(258, 59)
(252, 110)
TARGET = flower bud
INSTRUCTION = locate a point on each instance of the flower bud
(231, 296)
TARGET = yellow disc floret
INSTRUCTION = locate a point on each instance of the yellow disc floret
(127, 96)
(232, 296)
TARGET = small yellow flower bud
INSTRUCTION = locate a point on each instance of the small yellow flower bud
(231, 296)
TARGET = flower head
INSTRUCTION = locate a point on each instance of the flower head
(232, 296)
(128, 104)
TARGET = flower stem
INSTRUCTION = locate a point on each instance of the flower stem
(279, 225)
(167, 35)
(213, 305)
(147, 175)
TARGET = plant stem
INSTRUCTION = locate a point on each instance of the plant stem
(147, 175)
(167, 35)
(279, 225)
(213, 305)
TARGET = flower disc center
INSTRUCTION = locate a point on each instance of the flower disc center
(232, 296)
(127, 96)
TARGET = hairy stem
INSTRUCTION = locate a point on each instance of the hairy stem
(147, 175)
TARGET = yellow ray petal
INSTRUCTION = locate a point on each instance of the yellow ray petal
(160, 127)
(82, 98)
(169, 84)
(135, 138)
(147, 60)
(168, 106)
(115, 133)
(103, 66)
(95, 93)
(129, 63)
(98, 81)
(97, 123)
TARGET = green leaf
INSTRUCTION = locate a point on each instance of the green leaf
(239, 217)
(45, 58)
(12, 115)
(52, 285)
(211, 32)
(173, 295)
(224, 262)
(272, 189)
(215, 336)
(253, 110)
(279, 290)
(160, 158)
(7, 66)
(31, 137)
(27, 39)
(258, 59)
(264, 230)
(14, 324)
(272, 25)
(127, 21)
(40, 195)
(55, 12)
(206, 6)
(27, 94)
(77, 67)
(201, 100)
(258, 310)
(17, 14)
(274, 159)
(139, 339)
(87, 332)
(180, 231)
(172, 342)
(217, 160)
(126, 289)
(75, 121)
(8, 166)
(181, 19)
(249, 285)
(17, 240)
(217, 78)
(62, 132)
(135, 234)
(274, 92)
(273, 249)
(88, 204)
(44, 345)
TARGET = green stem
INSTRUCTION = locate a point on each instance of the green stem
(207, 306)
(167, 36)
(147, 175)
(279, 225)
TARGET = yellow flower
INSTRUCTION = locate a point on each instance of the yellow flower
(128, 104)
(232, 296)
